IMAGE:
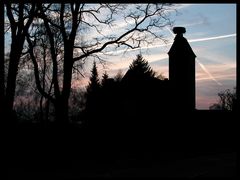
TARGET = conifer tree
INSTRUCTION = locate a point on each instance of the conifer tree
(93, 92)
(104, 78)
(94, 83)
(140, 69)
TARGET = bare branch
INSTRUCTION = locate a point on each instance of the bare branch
(76, 69)
(36, 72)
(62, 26)
(149, 13)
(11, 18)
(53, 53)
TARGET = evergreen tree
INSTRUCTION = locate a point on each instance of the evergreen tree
(140, 68)
(93, 95)
(94, 83)
(104, 78)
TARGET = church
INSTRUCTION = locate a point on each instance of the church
(182, 71)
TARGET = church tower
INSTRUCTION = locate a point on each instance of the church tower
(182, 71)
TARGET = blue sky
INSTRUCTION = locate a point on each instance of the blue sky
(211, 32)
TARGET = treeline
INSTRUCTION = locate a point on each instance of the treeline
(106, 102)
(138, 97)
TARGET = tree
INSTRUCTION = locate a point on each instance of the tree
(72, 21)
(20, 18)
(93, 94)
(2, 71)
(139, 69)
(226, 100)
(39, 53)
(77, 104)
(94, 83)
(45, 50)
(104, 79)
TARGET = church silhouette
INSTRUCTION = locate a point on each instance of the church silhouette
(182, 71)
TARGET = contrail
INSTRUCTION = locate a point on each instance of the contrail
(170, 32)
(219, 76)
(167, 44)
(207, 72)
(200, 64)
(212, 38)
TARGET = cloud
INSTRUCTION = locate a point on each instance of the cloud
(150, 58)
(207, 90)
(182, 6)
(200, 19)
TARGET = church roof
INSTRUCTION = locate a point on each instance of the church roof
(180, 45)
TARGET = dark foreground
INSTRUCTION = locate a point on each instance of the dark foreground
(190, 147)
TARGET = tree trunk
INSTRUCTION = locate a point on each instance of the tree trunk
(61, 111)
(2, 73)
(41, 110)
(62, 105)
(11, 80)
(47, 110)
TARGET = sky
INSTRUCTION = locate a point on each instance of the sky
(211, 32)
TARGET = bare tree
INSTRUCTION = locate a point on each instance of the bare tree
(20, 18)
(75, 21)
(2, 72)
(40, 53)
(226, 100)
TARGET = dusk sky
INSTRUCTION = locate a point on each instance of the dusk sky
(211, 32)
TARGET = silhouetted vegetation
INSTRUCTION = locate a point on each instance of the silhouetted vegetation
(51, 35)
(227, 101)
(19, 30)
(140, 69)
(139, 93)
